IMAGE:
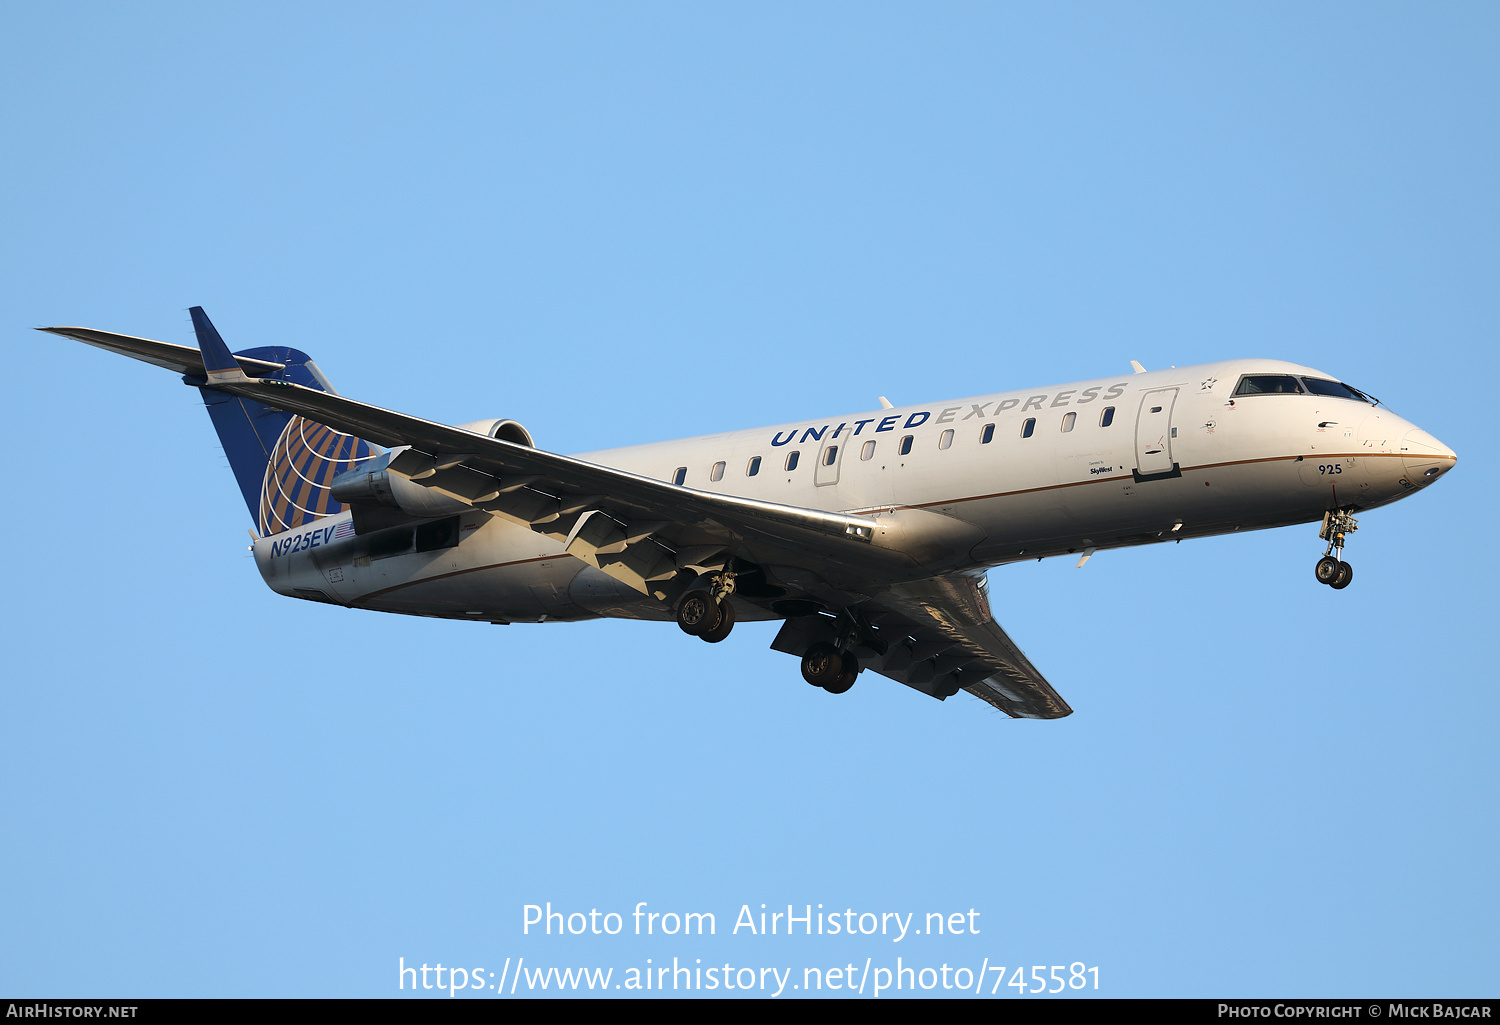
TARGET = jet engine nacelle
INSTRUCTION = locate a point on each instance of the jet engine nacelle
(371, 484)
(503, 430)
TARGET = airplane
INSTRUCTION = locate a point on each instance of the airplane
(868, 535)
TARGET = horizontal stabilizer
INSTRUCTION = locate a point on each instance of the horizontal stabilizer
(184, 359)
(284, 464)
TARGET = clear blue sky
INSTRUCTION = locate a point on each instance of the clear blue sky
(624, 223)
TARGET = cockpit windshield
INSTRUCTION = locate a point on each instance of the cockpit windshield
(1268, 384)
(1286, 384)
(1336, 389)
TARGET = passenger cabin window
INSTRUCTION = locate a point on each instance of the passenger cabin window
(906, 445)
(830, 454)
(717, 473)
(1107, 417)
(791, 460)
(867, 451)
(1268, 384)
(1335, 389)
(679, 475)
(987, 435)
(753, 468)
(1069, 419)
(945, 439)
(1029, 427)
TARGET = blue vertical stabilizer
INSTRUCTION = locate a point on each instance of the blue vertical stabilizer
(283, 462)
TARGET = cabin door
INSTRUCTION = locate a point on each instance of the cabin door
(1153, 435)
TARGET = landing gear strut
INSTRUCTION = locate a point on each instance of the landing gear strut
(1331, 568)
(705, 612)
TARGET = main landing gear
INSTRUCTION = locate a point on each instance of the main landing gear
(827, 667)
(1332, 570)
(705, 612)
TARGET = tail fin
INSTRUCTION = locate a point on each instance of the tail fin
(283, 462)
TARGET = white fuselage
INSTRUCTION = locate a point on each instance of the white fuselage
(1179, 457)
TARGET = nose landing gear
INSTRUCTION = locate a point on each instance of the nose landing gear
(1334, 573)
(1332, 570)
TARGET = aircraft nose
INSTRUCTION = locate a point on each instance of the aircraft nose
(1425, 457)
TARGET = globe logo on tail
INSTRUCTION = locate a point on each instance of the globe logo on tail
(305, 460)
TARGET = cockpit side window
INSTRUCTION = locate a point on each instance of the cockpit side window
(1336, 389)
(1268, 384)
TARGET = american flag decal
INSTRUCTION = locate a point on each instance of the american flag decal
(343, 530)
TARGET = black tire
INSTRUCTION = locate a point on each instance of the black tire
(1327, 570)
(822, 665)
(720, 630)
(847, 678)
(697, 612)
(1346, 574)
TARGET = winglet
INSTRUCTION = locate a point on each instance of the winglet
(885, 403)
(218, 364)
(1138, 368)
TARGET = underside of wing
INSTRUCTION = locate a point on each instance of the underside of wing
(937, 636)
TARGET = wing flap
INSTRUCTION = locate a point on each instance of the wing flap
(936, 636)
(940, 638)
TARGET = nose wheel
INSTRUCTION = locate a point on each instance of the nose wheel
(1332, 569)
(1334, 573)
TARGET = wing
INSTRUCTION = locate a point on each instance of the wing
(948, 621)
(936, 635)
